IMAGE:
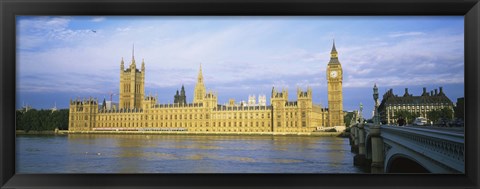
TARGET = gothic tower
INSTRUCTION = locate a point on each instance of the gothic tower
(305, 104)
(180, 98)
(183, 97)
(278, 101)
(199, 93)
(132, 82)
(335, 96)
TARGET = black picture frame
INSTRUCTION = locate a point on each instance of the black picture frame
(10, 8)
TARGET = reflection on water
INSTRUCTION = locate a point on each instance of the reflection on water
(95, 153)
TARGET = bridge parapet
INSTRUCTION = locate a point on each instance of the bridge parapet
(446, 148)
(379, 147)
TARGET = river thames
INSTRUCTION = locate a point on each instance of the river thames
(97, 153)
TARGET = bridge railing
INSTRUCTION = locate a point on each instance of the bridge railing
(447, 148)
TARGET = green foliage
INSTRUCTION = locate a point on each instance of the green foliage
(408, 116)
(348, 118)
(440, 114)
(459, 109)
(42, 120)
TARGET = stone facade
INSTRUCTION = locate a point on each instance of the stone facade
(132, 85)
(137, 112)
(335, 91)
(420, 105)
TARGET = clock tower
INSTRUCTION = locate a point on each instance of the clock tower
(335, 96)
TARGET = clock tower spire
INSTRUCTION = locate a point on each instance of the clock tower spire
(335, 93)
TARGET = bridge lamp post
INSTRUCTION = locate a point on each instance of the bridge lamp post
(376, 120)
(377, 165)
(360, 158)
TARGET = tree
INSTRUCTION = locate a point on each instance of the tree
(444, 114)
(348, 118)
(19, 118)
(41, 120)
(408, 116)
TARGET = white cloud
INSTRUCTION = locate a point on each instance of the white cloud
(39, 24)
(42, 32)
(123, 29)
(437, 58)
(405, 34)
(230, 56)
(98, 19)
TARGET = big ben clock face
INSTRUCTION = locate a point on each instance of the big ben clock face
(333, 74)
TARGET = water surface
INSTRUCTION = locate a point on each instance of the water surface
(96, 153)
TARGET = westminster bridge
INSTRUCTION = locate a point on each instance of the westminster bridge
(394, 149)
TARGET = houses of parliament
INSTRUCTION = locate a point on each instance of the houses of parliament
(137, 111)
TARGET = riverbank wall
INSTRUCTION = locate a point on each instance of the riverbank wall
(22, 132)
(62, 132)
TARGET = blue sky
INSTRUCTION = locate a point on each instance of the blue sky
(59, 58)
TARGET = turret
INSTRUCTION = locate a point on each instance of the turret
(122, 66)
(199, 92)
(304, 98)
(285, 94)
(182, 93)
(252, 100)
(104, 105)
(304, 94)
(133, 57)
(149, 102)
(183, 97)
(281, 97)
(273, 92)
(210, 100)
(176, 98)
(262, 100)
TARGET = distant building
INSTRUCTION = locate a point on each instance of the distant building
(252, 101)
(54, 108)
(262, 100)
(180, 98)
(25, 108)
(231, 102)
(108, 105)
(420, 105)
